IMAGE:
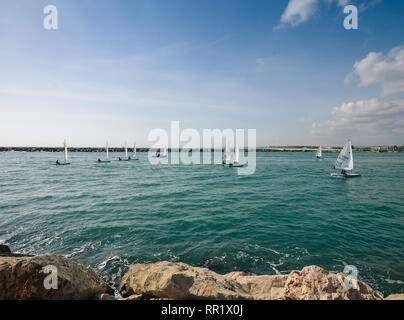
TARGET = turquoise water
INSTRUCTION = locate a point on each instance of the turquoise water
(287, 215)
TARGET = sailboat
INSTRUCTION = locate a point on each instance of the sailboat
(164, 154)
(106, 156)
(66, 162)
(236, 163)
(345, 162)
(134, 153)
(319, 154)
(127, 158)
(227, 157)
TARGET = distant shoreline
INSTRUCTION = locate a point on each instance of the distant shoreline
(261, 149)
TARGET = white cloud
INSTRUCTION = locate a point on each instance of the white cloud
(376, 118)
(367, 119)
(298, 11)
(384, 70)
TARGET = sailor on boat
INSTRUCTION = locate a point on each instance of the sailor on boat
(345, 163)
(57, 162)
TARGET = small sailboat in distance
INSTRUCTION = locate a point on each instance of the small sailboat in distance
(319, 154)
(227, 157)
(127, 158)
(134, 152)
(106, 156)
(66, 162)
(236, 163)
(161, 154)
(345, 162)
(164, 154)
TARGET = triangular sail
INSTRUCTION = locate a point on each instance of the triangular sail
(126, 151)
(319, 152)
(228, 155)
(345, 158)
(134, 151)
(107, 151)
(66, 154)
(237, 155)
(164, 151)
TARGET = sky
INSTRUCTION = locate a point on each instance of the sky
(116, 69)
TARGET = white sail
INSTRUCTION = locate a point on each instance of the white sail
(164, 152)
(319, 152)
(126, 151)
(134, 151)
(345, 158)
(107, 151)
(228, 155)
(237, 155)
(66, 155)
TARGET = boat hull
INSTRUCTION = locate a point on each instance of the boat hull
(235, 165)
(348, 175)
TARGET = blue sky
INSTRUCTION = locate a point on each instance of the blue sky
(114, 70)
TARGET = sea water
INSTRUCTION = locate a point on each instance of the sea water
(288, 215)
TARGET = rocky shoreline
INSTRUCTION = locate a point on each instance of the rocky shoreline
(23, 278)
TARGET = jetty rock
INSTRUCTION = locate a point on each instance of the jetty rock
(178, 281)
(396, 297)
(264, 287)
(315, 283)
(22, 278)
(4, 250)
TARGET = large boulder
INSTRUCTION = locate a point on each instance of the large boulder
(261, 287)
(179, 281)
(4, 249)
(395, 297)
(315, 283)
(23, 278)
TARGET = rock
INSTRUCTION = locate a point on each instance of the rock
(23, 278)
(106, 297)
(395, 297)
(314, 283)
(4, 250)
(180, 282)
(133, 297)
(261, 287)
(167, 280)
